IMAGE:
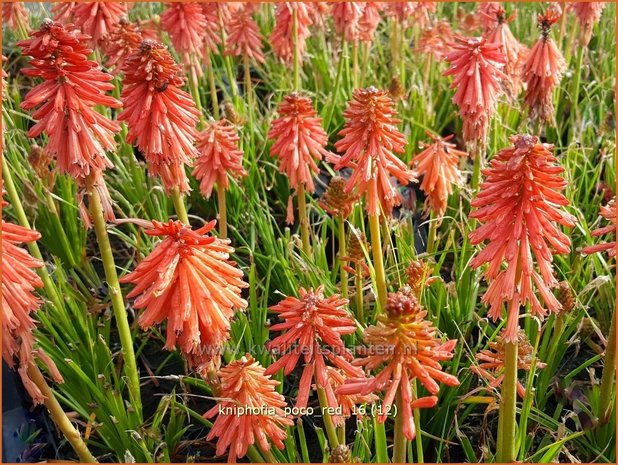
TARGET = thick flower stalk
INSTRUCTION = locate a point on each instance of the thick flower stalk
(19, 281)
(515, 52)
(312, 329)
(64, 104)
(219, 159)
(520, 208)
(437, 166)
(189, 281)
(401, 347)
(299, 144)
(96, 19)
(543, 71)
(120, 43)
(161, 117)
(477, 70)
(588, 14)
(608, 212)
(492, 361)
(284, 42)
(245, 386)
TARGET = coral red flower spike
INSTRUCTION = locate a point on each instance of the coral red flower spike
(401, 347)
(19, 280)
(245, 385)
(369, 144)
(78, 136)
(313, 325)
(543, 71)
(520, 206)
(244, 36)
(96, 19)
(498, 32)
(476, 67)
(160, 115)
(299, 140)
(120, 43)
(189, 281)
(187, 27)
(282, 39)
(219, 157)
(437, 165)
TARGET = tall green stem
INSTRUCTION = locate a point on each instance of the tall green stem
(360, 313)
(331, 431)
(120, 313)
(607, 379)
(478, 161)
(304, 220)
(342, 253)
(400, 442)
(60, 417)
(417, 426)
(507, 428)
(179, 206)
(355, 65)
(222, 211)
(378, 259)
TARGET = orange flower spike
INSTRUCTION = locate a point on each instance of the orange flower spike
(543, 70)
(588, 14)
(437, 164)
(18, 281)
(369, 144)
(492, 360)
(120, 43)
(160, 115)
(63, 11)
(244, 36)
(520, 208)
(189, 281)
(347, 17)
(609, 213)
(436, 40)
(369, 21)
(281, 38)
(96, 19)
(299, 140)
(65, 102)
(245, 385)
(313, 325)
(186, 25)
(219, 157)
(476, 67)
(499, 33)
(402, 346)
